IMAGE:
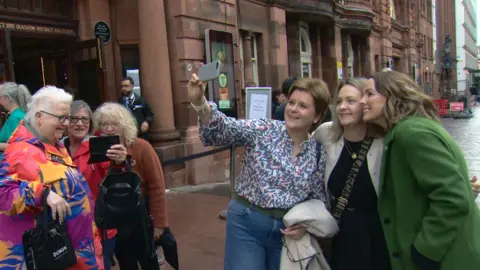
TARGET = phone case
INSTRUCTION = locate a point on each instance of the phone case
(99, 147)
(209, 72)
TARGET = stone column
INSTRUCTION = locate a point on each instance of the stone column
(316, 52)
(331, 41)
(156, 84)
(247, 59)
(278, 46)
(293, 46)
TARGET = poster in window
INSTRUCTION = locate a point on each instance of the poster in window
(219, 47)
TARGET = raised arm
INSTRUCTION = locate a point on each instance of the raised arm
(218, 129)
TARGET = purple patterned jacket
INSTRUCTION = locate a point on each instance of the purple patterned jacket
(269, 178)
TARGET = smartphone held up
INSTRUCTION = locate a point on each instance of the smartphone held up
(99, 147)
(210, 71)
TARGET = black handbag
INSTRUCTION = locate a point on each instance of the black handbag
(48, 246)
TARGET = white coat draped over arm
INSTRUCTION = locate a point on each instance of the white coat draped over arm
(306, 252)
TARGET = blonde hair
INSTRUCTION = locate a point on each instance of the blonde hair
(320, 93)
(336, 127)
(127, 122)
(404, 97)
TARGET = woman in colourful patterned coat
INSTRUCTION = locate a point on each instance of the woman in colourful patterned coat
(283, 166)
(35, 161)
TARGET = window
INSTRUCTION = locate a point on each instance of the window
(254, 59)
(429, 10)
(242, 64)
(254, 56)
(391, 11)
(130, 58)
(305, 51)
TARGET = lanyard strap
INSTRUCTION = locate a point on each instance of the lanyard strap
(342, 200)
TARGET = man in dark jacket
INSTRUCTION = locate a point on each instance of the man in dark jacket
(137, 105)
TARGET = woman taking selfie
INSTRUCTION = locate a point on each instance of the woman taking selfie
(426, 207)
(281, 169)
(352, 189)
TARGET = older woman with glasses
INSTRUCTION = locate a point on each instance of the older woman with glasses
(34, 163)
(77, 143)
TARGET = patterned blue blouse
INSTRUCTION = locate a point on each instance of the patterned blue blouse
(269, 177)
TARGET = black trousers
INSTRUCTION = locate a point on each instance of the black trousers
(131, 248)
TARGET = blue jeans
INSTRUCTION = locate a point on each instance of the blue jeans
(254, 240)
(108, 251)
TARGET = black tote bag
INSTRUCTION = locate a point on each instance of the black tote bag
(48, 246)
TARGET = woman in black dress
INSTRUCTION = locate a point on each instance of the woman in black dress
(360, 243)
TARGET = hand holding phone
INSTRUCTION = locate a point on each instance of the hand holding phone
(99, 147)
(196, 91)
(117, 153)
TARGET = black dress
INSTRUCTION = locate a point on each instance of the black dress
(360, 243)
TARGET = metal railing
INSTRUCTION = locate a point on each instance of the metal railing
(181, 160)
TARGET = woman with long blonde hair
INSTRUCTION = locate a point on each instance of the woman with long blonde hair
(426, 207)
(360, 243)
(113, 119)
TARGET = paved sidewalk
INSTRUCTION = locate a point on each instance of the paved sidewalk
(200, 234)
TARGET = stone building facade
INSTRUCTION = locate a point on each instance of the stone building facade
(330, 39)
(273, 40)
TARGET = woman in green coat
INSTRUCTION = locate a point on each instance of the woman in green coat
(426, 206)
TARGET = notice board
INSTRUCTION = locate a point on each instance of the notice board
(258, 102)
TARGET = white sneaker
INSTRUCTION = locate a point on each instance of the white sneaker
(160, 256)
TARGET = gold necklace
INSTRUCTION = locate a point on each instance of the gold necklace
(349, 149)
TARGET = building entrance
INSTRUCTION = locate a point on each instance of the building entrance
(40, 61)
(76, 66)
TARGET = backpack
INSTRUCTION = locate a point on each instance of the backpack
(119, 202)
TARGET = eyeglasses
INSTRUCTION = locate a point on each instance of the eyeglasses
(61, 118)
(107, 124)
(293, 258)
(84, 120)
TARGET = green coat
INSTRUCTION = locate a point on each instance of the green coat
(426, 198)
